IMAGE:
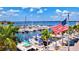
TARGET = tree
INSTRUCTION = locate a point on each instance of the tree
(77, 28)
(7, 36)
(45, 36)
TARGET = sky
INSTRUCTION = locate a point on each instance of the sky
(38, 13)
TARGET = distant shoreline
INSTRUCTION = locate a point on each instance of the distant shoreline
(38, 21)
(41, 23)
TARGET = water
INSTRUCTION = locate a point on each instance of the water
(26, 36)
(50, 23)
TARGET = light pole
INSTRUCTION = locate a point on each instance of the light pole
(68, 30)
(68, 15)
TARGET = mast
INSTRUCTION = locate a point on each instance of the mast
(68, 31)
(68, 16)
(25, 23)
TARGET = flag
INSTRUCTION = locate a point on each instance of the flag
(60, 27)
(64, 22)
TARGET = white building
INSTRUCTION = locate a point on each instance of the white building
(77, 23)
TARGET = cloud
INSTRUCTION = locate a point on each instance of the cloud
(24, 7)
(62, 13)
(65, 11)
(36, 7)
(12, 14)
(40, 11)
(45, 9)
(58, 11)
(31, 9)
(1, 8)
(75, 13)
(3, 12)
(0, 15)
(12, 10)
(16, 14)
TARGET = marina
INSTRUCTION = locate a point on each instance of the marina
(32, 29)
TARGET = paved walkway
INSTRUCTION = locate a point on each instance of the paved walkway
(72, 48)
(76, 47)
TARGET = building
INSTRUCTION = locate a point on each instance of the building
(77, 23)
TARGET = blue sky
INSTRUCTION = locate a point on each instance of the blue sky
(38, 13)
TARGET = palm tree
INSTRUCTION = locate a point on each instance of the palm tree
(45, 36)
(7, 36)
(76, 28)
